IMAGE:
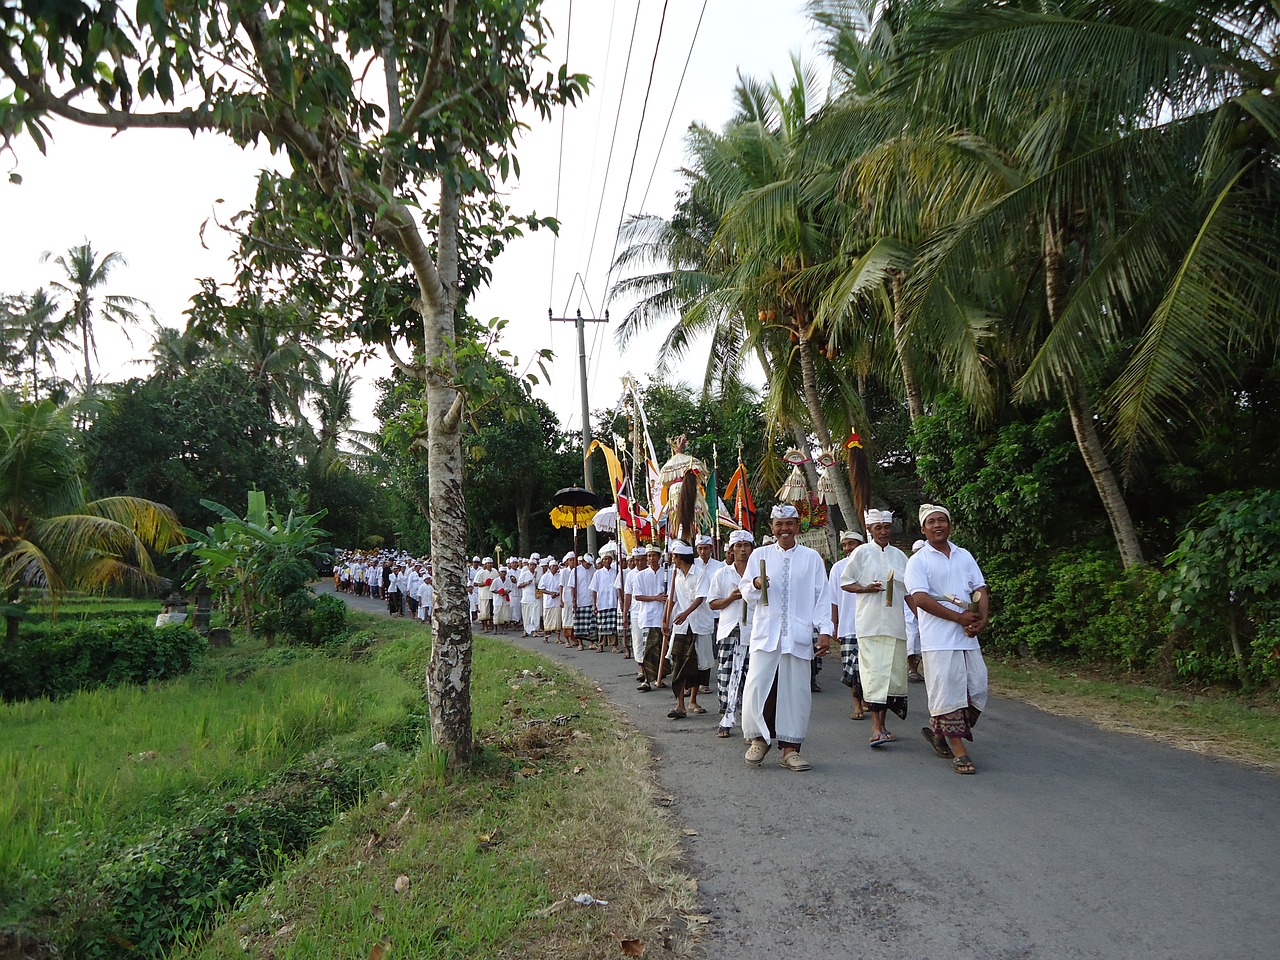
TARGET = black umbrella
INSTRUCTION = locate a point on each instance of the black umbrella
(575, 497)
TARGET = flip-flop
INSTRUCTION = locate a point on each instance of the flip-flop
(722, 733)
(963, 765)
(882, 740)
(697, 709)
(939, 744)
(676, 715)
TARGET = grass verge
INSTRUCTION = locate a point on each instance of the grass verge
(1247, 731)
(95, 789)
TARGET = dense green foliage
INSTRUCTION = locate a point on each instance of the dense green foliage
(55, 661)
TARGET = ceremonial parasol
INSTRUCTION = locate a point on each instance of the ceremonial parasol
(573, 507)
(606, 520)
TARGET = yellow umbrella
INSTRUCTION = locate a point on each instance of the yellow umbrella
(566, 516)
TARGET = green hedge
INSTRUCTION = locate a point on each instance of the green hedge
(54, 661)
(1076, 604)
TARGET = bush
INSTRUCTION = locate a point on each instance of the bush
(1079, 604)
(306, 619)
(54, 661)
(175, 882)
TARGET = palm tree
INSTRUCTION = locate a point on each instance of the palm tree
(84, 276)
(175, 353)
(51, 535)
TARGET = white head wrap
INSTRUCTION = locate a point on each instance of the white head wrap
(767, 540)
(653, 548)
(554, 562)
(741, 536)
(917, 545)
(535, 556)
(475, 559)
(487, 560)
(877, 516)
(927, 508)
(569, 556)
(851, 535)
(681, 548)
(608, 550)
(588, 559)
(703, 540)
(637, 553)
(784, 511)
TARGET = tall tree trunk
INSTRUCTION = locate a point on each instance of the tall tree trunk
(84, 330)
(818, 420)
(902, 345)
(523, 535)
(448, 677)
(1080, 412)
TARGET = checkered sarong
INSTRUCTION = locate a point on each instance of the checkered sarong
(606, 622)
(849, 664)
(724, 665)
(584, 623)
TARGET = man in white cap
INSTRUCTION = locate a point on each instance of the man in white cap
(951, 599)
(787, 584)
(604, 592)
(568, 575)
(584, 611)
(631, 610)
(484, 593)
(549, 590)
(530, 608)
(843, 614)
(732, 630)
(875, 574)
(708, 565)
(473, 594)
(647, 603)
(689, 627)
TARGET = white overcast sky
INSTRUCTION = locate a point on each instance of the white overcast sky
(146, 193)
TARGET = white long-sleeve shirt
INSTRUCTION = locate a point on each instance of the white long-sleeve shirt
(798, 600)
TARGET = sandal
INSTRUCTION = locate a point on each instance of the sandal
(939, 744)
(857, 715)
(795, 763)
(697, 709)
(963, 765)
(756, 752)
(881, 739)
(722, 733)
(676, 715)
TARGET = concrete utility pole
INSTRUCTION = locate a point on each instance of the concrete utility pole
(581, 323)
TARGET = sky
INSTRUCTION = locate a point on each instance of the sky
(147, 193)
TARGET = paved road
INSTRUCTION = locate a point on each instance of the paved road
(1071, 842)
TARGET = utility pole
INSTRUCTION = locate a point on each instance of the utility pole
(581, 323)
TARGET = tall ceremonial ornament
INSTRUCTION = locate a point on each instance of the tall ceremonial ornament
(859, 478)
(739, 495)
(684, 493)
(812, 509)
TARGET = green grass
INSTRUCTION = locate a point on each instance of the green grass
(1209, 722)
(491, 853)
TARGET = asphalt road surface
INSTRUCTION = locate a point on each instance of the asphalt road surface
(1070, 842)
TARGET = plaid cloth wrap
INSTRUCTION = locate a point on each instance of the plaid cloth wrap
(849, 663)
(724, 665)
(606, 622)
(584, 623)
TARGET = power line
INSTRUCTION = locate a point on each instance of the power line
(672, 113)
(608, 165)
(653, 66)
(555, 239)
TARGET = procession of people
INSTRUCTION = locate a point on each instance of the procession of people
(746, 634)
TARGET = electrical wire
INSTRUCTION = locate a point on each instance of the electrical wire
(622, 213)
(555, 238)
(608, 165)
(670, 115)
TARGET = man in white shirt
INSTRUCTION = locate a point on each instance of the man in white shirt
(689, 627)
(549, 589)
(951, 600)
(473, 595)
(913, 633)
(843, 614)
(484, 592)
(604, 591)
(527, 584)
(875, 574)
(786, 583)
(647, 604)
(732, 630)
(631, 610)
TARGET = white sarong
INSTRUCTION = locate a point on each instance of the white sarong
(882, 668)
(955, 679)
(794, 701)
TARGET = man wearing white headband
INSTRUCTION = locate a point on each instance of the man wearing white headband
(530, 608)
(786, 583)
(484, 592)
(631, 610)
(913, 634)
(875, 575)
(649, 599)
(549, 591)
(604, 592)
(473, 594)
(708, 565)
(951, 599)
(688, 624)
(733, 629)
(843, 615)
